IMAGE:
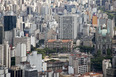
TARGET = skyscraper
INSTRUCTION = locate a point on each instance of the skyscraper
(68, 27)
(9, 22)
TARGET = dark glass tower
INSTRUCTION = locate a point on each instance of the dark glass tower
(9, 22)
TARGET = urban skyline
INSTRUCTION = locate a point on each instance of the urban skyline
(57, 38)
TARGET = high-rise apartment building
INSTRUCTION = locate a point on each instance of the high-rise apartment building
(68, 28)
(20, 53)
(7, 54)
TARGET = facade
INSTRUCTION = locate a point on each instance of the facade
(31, 73)
(92, 74)
(9, 22)
(56, 65)
(80, 63)
(114, 62)
(103, 37)
(50, 73)
(1, 34)
(4, 72)
(25, 40)
(9, 35)
(33, 41)
(68, 27)
(36, 60)
(94, 21)
(108, 69)
(59, 44)
(111, 72)
(5, 58)
(15, 72)
(105, 65)
(20, 53)
(2, 54)
(114, 45)
(7, 54)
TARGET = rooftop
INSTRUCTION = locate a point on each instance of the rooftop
(64, 41)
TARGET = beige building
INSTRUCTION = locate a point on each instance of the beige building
(59, 45)
(24, 40)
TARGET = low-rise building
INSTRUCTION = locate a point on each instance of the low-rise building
(59, 44)
(79, 62)
(56, 65)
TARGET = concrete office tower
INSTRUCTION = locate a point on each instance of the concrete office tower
(7, 55)
(20, 53)
(33, 41)
(1, 54)
(36, 60)
(24, 40)
(68, 27)
(33, 27)
(4, 72)
(9, 35)
(105, 65)
(1, 34)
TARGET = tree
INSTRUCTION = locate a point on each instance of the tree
(109, 52)
(41, 51)
(86, 49)
(96, 61)
(33, 48)
(99, 53)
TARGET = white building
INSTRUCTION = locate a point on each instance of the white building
(105, 65)
(4, 72)
(20, 53)
(7, 54)
(35, 60)
(33, 41)
(33, 27)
